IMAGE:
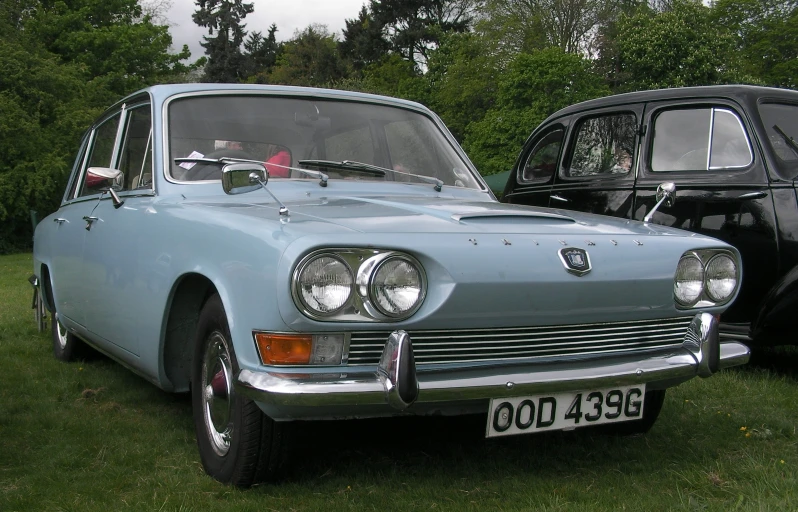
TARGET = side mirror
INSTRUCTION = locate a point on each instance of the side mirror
(666, 194)
(243, 178)
(100, 176)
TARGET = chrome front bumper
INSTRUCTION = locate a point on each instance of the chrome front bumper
(398, 386)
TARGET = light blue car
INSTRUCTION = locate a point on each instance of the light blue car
(289, 254)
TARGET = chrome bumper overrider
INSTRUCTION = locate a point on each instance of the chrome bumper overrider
(397, 385)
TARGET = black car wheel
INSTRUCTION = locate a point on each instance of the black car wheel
(238, 444)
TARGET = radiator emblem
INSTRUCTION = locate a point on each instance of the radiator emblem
(575, 260)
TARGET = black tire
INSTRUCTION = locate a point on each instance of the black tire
(238, 444)
(653, 405)
(66, 346)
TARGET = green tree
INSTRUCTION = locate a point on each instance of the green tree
(261, 52)
(462, 80)
(113, 40)
(414, 27)
(61, 64)
(363, 43)
(226, 63)
(534, 86)
(765, 36)
(678, 47)
(527, 25)
(311, 58)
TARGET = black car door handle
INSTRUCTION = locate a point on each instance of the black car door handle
(752, 195)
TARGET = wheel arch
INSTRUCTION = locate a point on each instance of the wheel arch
(47, 289)
(775, 321)
(188, 296)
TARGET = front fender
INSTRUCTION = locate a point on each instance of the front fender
(776, 321)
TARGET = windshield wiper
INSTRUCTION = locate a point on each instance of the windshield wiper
(370, 169)
(789, 140)
(230, 160)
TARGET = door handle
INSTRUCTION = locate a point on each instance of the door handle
(60, 221)
(89, 220)
(560, 198)
(752, 195)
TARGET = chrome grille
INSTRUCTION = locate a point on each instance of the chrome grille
(449, 346)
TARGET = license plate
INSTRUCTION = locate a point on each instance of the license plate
(558, 411)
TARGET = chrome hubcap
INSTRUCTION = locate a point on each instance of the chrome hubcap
(61, 330)
(217, 393)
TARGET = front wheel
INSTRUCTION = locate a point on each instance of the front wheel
(238, 444)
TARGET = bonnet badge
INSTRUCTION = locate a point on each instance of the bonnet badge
(575, 260)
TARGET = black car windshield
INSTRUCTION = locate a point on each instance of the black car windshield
(283, 131)
(781, 127)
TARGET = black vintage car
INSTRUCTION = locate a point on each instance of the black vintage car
(729, 152)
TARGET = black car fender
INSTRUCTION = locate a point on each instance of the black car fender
(776, 321)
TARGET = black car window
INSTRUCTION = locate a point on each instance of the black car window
(542, 160)
(699, 139)
(101, 152)
(781, 127)
(604, 145)
(136, 154)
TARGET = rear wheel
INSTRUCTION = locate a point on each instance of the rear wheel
(238, 444)
(66, 346)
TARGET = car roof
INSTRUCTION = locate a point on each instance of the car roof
(160, 93)
(738, 92)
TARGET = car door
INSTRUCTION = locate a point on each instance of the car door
(114, 244)
(722, 190)
(68, 235)
(598, 169)
(72, 283)
(531, 180)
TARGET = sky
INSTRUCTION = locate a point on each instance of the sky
(289, 15)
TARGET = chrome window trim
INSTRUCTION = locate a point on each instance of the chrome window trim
(711, 133)
(745, 136)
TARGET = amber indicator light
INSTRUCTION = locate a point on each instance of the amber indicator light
(284, 348)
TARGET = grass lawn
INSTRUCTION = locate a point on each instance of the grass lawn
(93, 436)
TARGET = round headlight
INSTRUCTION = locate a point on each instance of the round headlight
(689, 281)
(397, 287)
(324, 284)
(721, 277)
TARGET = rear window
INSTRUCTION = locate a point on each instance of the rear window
(699, 139)
(781, 128)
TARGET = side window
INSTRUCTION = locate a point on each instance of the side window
(100, 154)
(781, 126)
(542, 160)
(604, 145)
(136, 154)
(699, 139)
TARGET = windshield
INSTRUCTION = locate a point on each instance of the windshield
(281, 132)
